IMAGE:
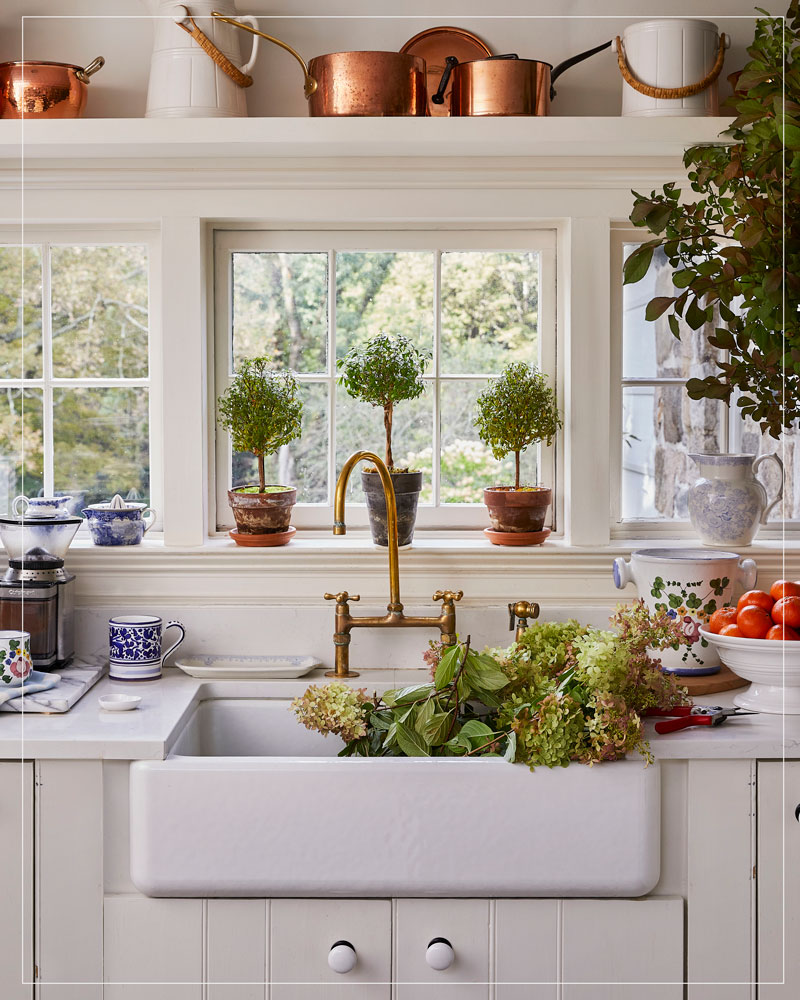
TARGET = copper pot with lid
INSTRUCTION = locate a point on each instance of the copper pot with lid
(374, 84)
(504, 85)
(32, 89)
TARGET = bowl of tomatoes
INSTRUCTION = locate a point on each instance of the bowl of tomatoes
(759, 640)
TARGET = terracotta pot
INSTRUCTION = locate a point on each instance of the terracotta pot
(517, 510)
(407, 487)
(262, 513)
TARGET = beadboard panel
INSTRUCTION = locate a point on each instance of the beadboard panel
(16, 899)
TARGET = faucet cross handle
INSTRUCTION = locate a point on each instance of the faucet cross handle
(448, 596)
(342, 597)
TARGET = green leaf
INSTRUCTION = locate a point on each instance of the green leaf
(437, 728)
(408, 695)
(475, 729)
(658, 306)
(638, 264)
(448, 665)
(423, 715)
(511, 747)
(411, 743)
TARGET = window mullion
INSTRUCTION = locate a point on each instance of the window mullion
(436, 458)
(331, 373)
(47, 373)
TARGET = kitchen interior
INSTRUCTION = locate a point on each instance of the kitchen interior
(400, 588)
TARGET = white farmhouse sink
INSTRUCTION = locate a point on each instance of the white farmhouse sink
(252, 804)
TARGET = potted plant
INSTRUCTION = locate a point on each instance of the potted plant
(262, 411)
(735, 249)
(514, 411)
(383, 372)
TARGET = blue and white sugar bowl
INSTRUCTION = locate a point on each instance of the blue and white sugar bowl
(118, 522)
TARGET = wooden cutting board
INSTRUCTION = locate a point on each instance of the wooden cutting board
(725, 680)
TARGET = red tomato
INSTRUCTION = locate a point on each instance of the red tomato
(755, 597)
(754, 622)
(784, 588)
(782, 632)
(731, 630)
(787, 612)
(721, 618)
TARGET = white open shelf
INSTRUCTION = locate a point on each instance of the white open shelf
(193, 138)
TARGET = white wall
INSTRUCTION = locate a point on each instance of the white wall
(121, 31)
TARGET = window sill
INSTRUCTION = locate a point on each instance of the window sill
(220, 573)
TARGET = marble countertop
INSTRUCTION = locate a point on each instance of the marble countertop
(148, 732)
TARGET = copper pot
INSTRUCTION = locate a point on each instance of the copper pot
(44, 89)
(503, 85)
(375, 84)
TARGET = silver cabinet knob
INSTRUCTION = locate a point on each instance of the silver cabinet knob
(342, 957)
(439, 954)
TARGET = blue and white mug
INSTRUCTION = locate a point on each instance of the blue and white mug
(135, 646)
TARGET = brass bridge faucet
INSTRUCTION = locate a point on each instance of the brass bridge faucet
(394, 617)
(518, 614)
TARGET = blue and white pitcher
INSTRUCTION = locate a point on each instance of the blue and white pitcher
(727, 504)
(118, 522)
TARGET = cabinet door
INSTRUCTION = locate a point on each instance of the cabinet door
(152, 942)
(302, 933)
(16, 897)
(236, 942)
(622, 949)
(526, 949)
(778, 880)
(462, 922)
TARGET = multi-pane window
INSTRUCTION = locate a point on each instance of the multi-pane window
(472, 301)
(75, 370)
(661, 425)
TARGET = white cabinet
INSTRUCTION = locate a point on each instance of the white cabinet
(236, 943)
(461, 923)
(622, 949)
(153, 941)
(302, 934)
(526, 942)
(16, 896)
(778, 870)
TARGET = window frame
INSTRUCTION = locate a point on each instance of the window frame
(47, 236)
(637, 528)
(228, 240)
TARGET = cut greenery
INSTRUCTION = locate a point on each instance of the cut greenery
(565, 692)
(735, 250)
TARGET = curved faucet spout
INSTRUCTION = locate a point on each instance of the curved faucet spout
(340, 528)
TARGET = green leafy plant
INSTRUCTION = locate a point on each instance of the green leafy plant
(735, 250)
(383, 372)
(262, 411)
(516, 410)
(565, 692)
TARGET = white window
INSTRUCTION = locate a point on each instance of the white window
(474, 300)
(657, 426)
(79, 408)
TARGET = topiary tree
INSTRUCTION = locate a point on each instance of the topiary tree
(516, 410)
(735, 250)
(385, 371)
(261, 410)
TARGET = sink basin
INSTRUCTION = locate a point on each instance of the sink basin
(249, 803)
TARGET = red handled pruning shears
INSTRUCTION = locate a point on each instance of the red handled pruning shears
(683, 716)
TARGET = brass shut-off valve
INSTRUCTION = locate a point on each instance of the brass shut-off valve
(520, 612)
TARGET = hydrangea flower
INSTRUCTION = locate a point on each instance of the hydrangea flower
(333, 708)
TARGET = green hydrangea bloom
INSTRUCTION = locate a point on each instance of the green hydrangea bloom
(333, 708)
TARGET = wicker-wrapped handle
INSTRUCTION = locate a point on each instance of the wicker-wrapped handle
(230, 69)
(671, 93)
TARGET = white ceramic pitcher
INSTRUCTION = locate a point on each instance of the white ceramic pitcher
(184, 81)
(727, 503)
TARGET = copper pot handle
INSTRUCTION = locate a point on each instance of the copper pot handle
(568, 63)
(309, 85)
(84, 74)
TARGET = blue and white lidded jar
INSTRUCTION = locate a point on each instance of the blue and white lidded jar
(118, 522)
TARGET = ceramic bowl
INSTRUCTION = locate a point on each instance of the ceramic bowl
(772, 667)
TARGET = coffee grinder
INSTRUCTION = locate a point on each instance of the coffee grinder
(37, 593)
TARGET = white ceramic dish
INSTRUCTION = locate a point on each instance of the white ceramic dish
(251, 667)
(118, 702)
(772, 667)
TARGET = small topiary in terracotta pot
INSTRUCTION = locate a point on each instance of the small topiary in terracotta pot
(262, 411)
(516, 410)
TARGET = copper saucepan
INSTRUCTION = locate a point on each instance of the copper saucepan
(44, 89)
(372, 84)
(504, 85)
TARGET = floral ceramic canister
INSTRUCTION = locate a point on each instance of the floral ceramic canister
(689, 585)
(15, 657)
(727, 503)
(118, 522)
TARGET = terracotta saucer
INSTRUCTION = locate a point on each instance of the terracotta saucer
(263, 541)
(516, 537)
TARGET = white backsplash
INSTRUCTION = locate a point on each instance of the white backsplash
(309, 630)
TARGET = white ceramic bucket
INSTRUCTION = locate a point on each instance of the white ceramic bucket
(670, 52)
(689, 584)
